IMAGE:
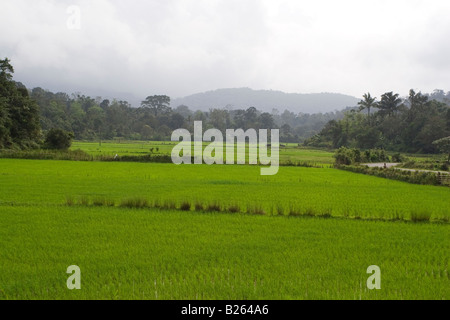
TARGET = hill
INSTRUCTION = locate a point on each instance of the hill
(266, 100)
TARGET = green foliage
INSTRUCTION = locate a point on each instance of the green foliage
(58, 139)
(19, 114)
(158, 104)
(398, 158)
(94, 119)
(409, 125)
(346, 156)
(444, 146)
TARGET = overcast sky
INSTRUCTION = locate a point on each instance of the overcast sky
(178, 48)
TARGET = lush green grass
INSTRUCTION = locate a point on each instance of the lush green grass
(289, 152)
(125, 147)
(174, 254)
(320, 190)
(147, 254)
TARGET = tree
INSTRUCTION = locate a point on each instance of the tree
(266, 121)
(219, 119)
(389, 104)
(368, 103)
(146, 132)
(4, 124)
(416, 100)
(444, 146)
(157, 104)
(176, 121)
(20, 114)
(58, 139)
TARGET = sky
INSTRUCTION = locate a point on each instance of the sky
(180, 47)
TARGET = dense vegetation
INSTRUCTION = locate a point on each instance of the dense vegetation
(93, 119)
(404, 125)
(19, 114)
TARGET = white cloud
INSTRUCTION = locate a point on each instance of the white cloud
(182, 47)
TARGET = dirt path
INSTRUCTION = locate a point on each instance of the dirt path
(380, 165)
(393, 165)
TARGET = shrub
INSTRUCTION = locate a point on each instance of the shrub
(58, 139)
(398, 158)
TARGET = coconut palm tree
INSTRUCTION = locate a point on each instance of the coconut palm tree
(368, 103)
(389, 104)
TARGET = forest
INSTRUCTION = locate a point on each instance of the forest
(393, 123)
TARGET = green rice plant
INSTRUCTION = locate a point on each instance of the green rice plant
(185, 206)
(397, 216)
(83, 200)
(168, 205)
(136, 202)
(310, 212)
(198, 206)
(294, 210)
(256, 209)
(109, 202)
(420, 216)
(156, 203)
(245, 251)
(280, 209)
(99, 202)
(213, 207)
(70, 201)
(326, 213)
(234, 208)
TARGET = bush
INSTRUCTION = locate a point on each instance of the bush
(58, 139)
(398, 158)
(346, 156)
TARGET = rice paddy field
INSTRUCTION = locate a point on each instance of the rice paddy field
(288, 152)
(161, 231)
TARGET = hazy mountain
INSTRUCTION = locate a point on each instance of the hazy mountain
(266, 100)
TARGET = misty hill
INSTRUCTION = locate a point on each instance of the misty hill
(266, 100)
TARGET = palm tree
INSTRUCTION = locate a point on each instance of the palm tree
(389, 103)
(368, 103)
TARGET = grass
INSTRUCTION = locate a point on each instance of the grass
(296, 189)
(149, 254)
(290, 154)
(160, 231)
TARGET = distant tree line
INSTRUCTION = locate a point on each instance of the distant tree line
(392, 123)
(40, 118)
(95, 118)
